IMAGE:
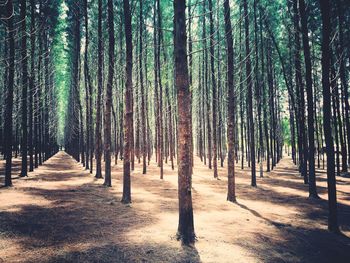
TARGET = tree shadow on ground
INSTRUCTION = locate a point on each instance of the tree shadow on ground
(80, 223)
(298, 244)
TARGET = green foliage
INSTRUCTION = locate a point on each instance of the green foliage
(286, 134)
(61, 67)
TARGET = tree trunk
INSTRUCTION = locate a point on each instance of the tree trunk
(327, 115)
(143, 110)
(31, 85)
(108, 98)
(128, 133)
(230, 105)
(250, 94)
(186, 228)
(98, 139)
(9, 94)
(214, 91)
(24, 64)
(310, 102)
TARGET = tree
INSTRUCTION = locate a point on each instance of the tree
(212, 68)
(108, 98)
(185, 230)
(230, 104)
(98, 139)
(325, 61)
(250, 92)
(142, 88)
(310, 102)
(9, 93)
(24, 59)
(128, 131)
(31, 84)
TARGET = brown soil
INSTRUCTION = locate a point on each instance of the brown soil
(61, 213)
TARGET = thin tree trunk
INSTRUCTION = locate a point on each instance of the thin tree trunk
(310, 101)
(327, 115)
(214, 91)
(98, 138)
(230, 105)
(250, 94)
(24, 64)
(143, 110)
(128, 133)
(31, 85)
(186, 227)
(108, 98)
(9, 94)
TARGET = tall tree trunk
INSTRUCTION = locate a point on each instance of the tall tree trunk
(258, 89)
(230, 105)
(327, 115)
(108, 98)
(310, 101)
(31, 85)
(250, 94)
(24, 62)
(87, 93)
(143, 110)
(303, 145)
(207, 89)
(186, 227)
(214, 91)
(160, 97)
(344, 83)
(98, 137)
(128, 133)
(9, 93)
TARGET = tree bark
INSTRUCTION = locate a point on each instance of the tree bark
(128, 133)
(9, 93)
(250, 94)
(310, 102)
(31, 86)
(230, 105)
(185, 228)
(98, 139)
(327, 115)
(214, 87)
(143, 110)
(108, 98)
(24, 62)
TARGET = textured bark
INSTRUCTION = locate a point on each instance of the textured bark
(310, 101)
(327, 114)
(128, 132)
(98, 139)
(300, 96)
(108, 98)
(214, 88)
(207, 91)
(160, 112)
(24, 62)
(143, 109)
(250, 94)
(186, 227)
(344, 83)
(87, 90)
(31, 85)
(9, 93)
(230, 105)
(258, 89)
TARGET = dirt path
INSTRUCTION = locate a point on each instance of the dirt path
(60, 213)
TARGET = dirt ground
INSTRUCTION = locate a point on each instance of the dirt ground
(61, 213)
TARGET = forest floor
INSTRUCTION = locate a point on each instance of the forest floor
(61, 213)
